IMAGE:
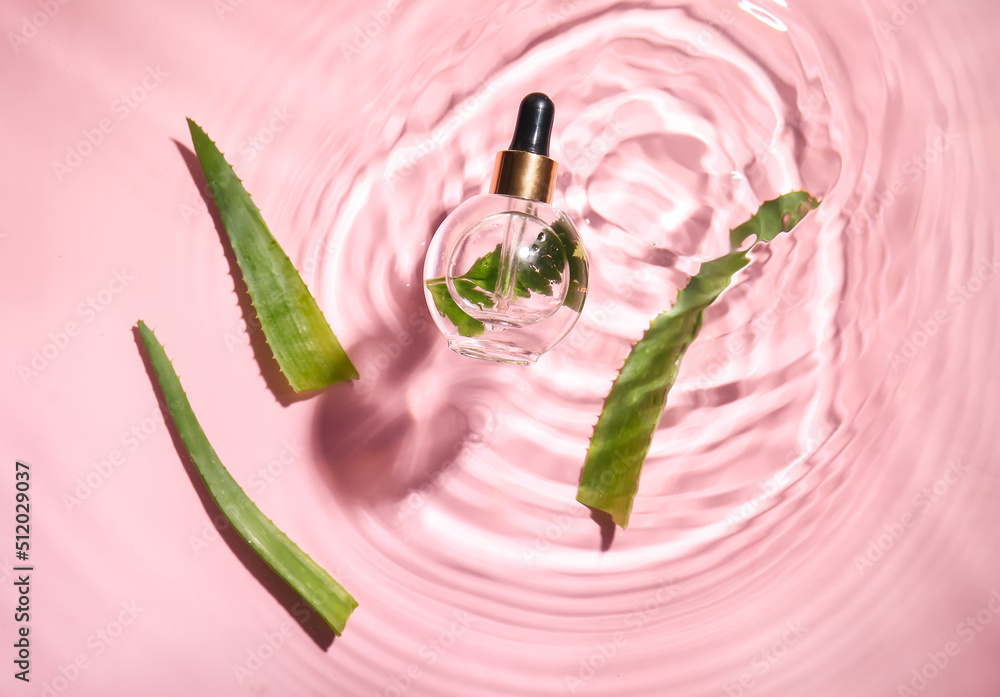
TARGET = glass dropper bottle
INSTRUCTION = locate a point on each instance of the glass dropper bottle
(506, 274)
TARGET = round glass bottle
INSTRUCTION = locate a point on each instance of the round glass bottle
(506, 273)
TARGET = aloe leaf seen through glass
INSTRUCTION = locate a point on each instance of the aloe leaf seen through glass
(538, 276)
(633, 408)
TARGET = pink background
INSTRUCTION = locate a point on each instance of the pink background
(818, 514)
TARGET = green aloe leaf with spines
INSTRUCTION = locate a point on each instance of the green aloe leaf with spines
(307, 352)
(467, 324)
(305, 576)
(579, 275)
(633, 408)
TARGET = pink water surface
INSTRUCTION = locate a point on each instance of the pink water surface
(818, 514)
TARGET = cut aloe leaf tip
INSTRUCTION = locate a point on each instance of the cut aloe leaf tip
(308, 354)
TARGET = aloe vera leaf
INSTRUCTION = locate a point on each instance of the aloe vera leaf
(635, 404)
(305, 576)
(473, 286)
(308, 353)
(481, 278)
(467, 324)
(544, 269)
(773, 217)
(578, 274)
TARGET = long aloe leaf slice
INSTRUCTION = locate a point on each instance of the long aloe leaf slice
(300, 338)
(305, 576)
(635, 404)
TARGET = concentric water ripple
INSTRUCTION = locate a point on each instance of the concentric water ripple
(673, 123)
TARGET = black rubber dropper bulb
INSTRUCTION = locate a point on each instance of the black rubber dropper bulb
(534, 125)
(525, 170)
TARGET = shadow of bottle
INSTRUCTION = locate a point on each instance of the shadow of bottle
(379, 441)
